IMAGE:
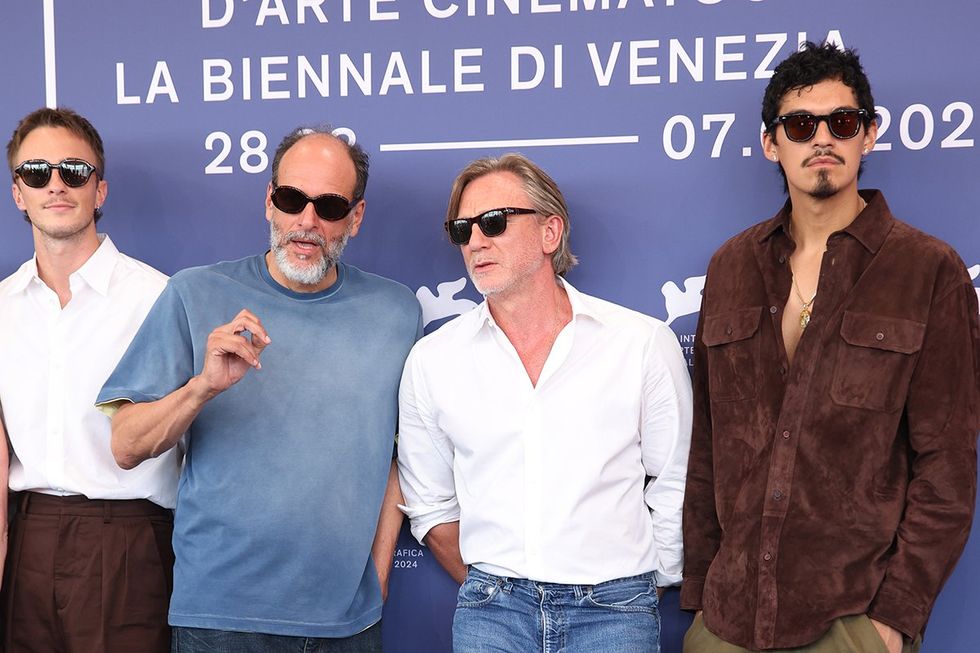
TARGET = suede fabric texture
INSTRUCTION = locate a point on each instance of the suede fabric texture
(845, 483)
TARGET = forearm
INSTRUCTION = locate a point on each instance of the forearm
(389, 525)
(145, 430)
(443, 541)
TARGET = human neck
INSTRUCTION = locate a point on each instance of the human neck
(533, 311)
(59, 258)
(813, 220)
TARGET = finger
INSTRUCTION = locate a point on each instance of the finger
(223, 343)
(247, 321)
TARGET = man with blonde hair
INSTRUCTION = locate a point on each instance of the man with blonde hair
(528, 428)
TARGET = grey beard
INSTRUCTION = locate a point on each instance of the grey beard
(308, 275)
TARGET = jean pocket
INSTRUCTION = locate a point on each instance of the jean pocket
(634, 595)
(476, 592)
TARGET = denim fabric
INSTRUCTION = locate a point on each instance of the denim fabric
(505, 615)
(200, 640)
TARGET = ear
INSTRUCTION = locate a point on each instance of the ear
(553, 228)
(18, 198)
(101, 192)
(769, 147)
(356, 216)
(269, 208)
(870, 136)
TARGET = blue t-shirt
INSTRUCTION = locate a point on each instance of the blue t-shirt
(285, 471)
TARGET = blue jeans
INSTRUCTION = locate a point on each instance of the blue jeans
(200, 640)
(511, 615)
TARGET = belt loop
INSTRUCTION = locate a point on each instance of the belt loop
(24, 502)
(106, 511)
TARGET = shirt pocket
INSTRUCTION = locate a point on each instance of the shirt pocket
(733, 353)
(875, 361)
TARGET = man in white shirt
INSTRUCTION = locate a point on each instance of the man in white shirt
(90, 560)
(528, 429)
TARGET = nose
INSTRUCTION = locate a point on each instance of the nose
(307, 219)
(478, 240)
(823, 137)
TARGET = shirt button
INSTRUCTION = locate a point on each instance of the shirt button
(767, 557)
(782, 371)
(773, 309)
(879, 336)
(782, 259)
(777, 495)
(728, 331)
(786, 435)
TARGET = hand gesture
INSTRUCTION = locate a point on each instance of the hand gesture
(230, 354)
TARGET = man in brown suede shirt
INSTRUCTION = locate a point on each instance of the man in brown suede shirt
(832, 471)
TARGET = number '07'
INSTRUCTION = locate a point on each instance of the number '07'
(253, 158)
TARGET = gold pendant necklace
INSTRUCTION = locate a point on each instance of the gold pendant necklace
(805, 313)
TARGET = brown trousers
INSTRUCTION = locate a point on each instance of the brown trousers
(86, 576)
(854, 634)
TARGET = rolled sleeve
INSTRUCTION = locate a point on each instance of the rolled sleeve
(425, 456)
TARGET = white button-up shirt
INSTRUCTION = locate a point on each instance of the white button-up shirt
(53, 362)
(548, 482)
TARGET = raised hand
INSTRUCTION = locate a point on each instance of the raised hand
(232, 349)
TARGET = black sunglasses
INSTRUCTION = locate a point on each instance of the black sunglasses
(36, 173)
(328, 206)
(492, 223)
(801, 127)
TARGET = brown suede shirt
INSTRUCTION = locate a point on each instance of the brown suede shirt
(843, 484)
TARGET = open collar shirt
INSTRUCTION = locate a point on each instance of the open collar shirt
(53, 362)
(549, 482)
(844, 483)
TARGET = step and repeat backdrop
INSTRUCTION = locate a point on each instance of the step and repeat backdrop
(646, 112)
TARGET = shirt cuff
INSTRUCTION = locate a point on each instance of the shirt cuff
(896, 611)
(424, 518)
(692, 590)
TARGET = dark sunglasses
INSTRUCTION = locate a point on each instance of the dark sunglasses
(492, 223)
(36, 173)
(328, 206)
(801, 127)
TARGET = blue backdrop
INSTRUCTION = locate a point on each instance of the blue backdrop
(646, 112)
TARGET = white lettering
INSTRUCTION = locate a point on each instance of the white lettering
(396, 75)
(427, 85)
(516, 52)
(162, 84)
(268, 77)
(778, 41)
(378, 14)
(271, 8)
(636, 61)
(722, 57)
(460, 69)
(208, 22)
(223, 78)
(121, 97)
(603, 73)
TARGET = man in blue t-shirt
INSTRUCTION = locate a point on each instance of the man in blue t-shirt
(282, 369)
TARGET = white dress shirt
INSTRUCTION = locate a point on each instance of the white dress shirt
(547, 481)
(53, 362)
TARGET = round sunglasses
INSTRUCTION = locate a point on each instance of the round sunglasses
(801, 127)
(492, 223)
(329, 206)
(36, 173)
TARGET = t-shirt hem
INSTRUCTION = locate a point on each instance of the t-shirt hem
(277, 626)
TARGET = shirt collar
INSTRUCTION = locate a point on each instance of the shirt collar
(97, 270)
(869, 228)
(581, 307)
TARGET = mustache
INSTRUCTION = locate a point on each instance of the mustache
(830, 154)
(308, 236)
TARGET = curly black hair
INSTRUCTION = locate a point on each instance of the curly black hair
(810, 65)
